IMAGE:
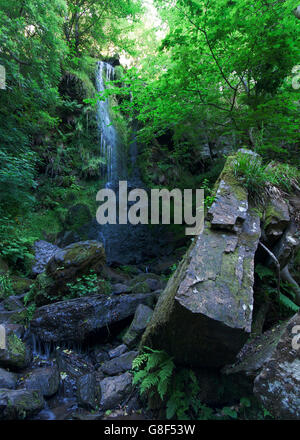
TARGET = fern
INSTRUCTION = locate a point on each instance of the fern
(288, 303)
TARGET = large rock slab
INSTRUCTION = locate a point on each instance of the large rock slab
(204, 316)
(75, 319)
(278, 384)
(20, 404)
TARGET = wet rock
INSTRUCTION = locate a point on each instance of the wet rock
(76, 258)
(75, 319)
(120, 364)
(116, 352)
(72, 366)
(44, 251)
(86, 391)
(46, 380)
(7, 380)
(278, 384)
(204, 316)
(16, 355)
(20, 404)
(114, 390)
(140, 321)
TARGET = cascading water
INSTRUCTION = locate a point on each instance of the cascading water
(109, 150)
(123, 243)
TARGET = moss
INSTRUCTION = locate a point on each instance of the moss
(21, 285)
(16, 347)
(228, 177)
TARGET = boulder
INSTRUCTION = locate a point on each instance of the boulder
(204, 316)
(114, 390)
(120, 364)
(75, 319)
(16, 355)
(68, 263)
(278, 384)
(20, 404)
(7, 380)
(46, 380)
(86, 391)
(140, 321)
(44, 251)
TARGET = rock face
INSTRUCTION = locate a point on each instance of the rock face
(69, 262)
(278, 384)
(20, 404)
(44, 251)
(75, 319)
(204, 315)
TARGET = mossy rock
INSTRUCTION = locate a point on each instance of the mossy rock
(16, 355)
(141, 287)
(20, 404)
(78, 258)
(21, 285)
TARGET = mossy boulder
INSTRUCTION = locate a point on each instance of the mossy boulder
(75, 259)
(204, 315)
(16, 355)
(20, 404)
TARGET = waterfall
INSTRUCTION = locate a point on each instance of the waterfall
(127, 243)
(109, 150)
